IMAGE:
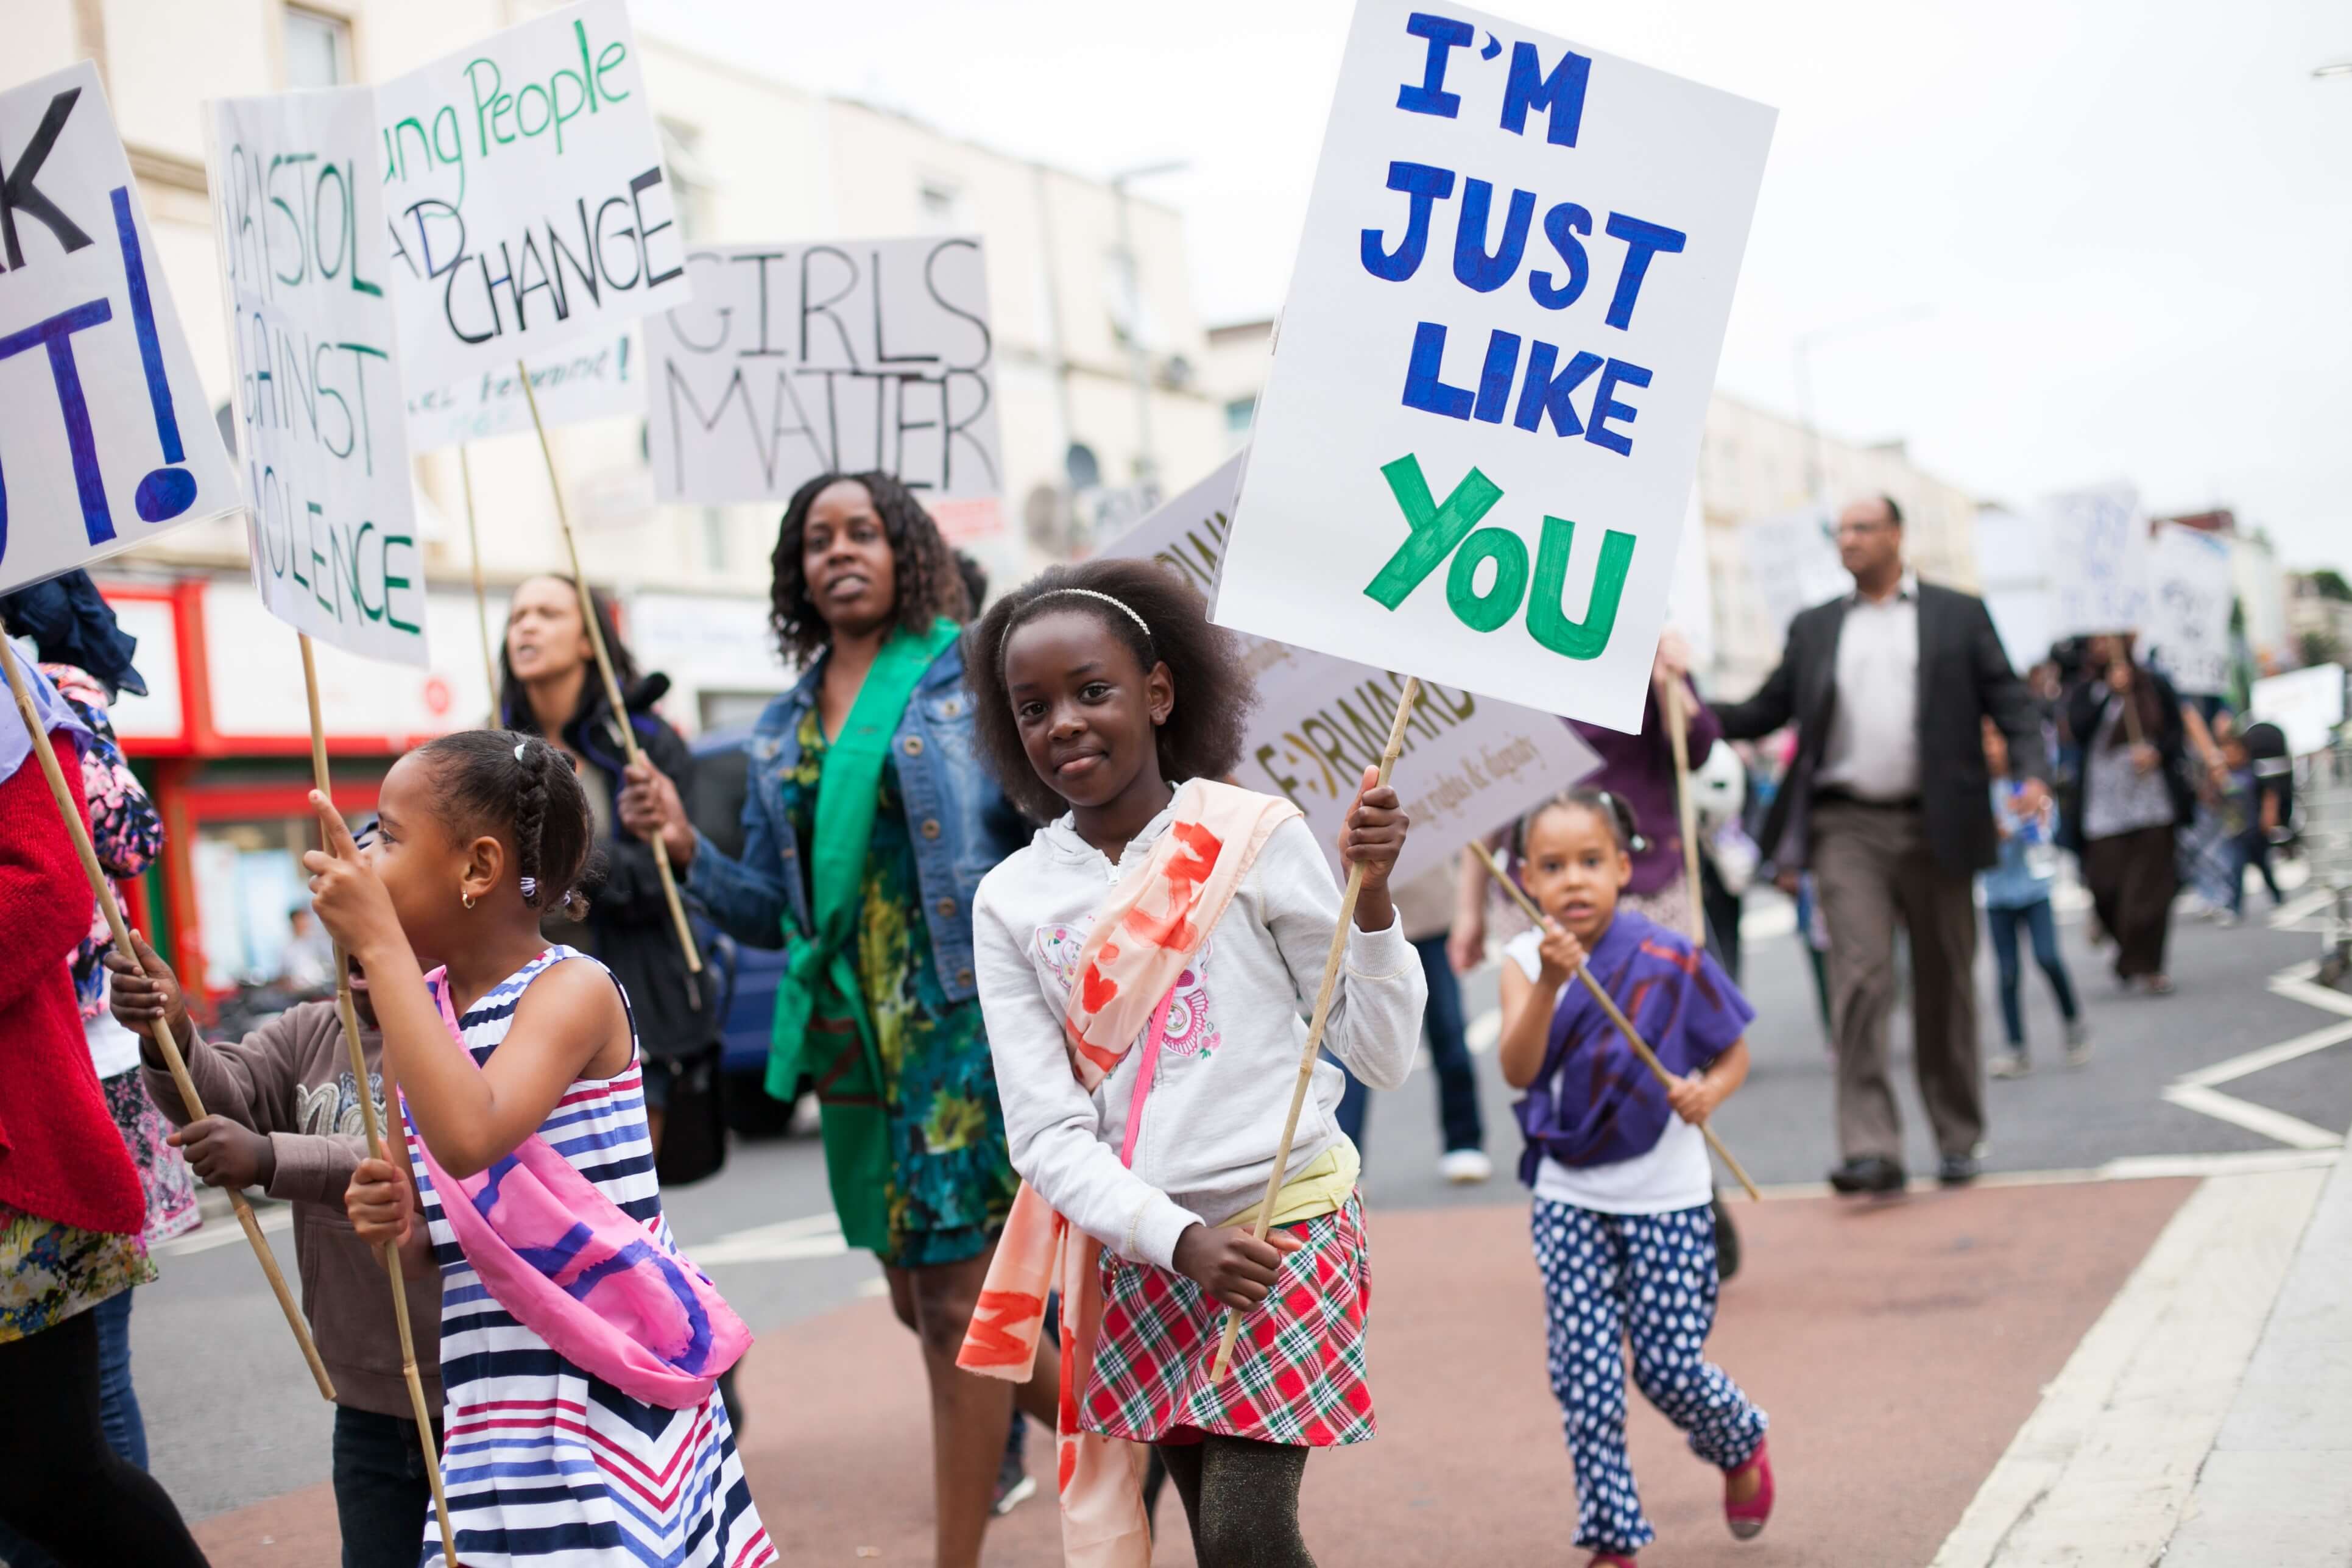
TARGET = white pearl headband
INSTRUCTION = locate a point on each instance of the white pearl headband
(1122, 607)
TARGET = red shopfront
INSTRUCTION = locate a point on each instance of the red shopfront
(222, 740)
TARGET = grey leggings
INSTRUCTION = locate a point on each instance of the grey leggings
(1241, 1498)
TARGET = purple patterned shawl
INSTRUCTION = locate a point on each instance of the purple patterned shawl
(1594, 1103)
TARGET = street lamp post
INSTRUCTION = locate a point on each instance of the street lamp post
(1138, 356)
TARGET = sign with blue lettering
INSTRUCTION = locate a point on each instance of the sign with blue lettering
(523, 185)
(321, 431)
(105, 442)
(1474, 450)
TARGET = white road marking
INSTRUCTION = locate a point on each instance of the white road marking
(2098, 1475)
(2292, 1130)
(221, 1230)
(786, 1241)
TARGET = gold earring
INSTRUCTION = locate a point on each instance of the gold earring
(465, 898)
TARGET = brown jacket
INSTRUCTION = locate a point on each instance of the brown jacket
(292, 1080)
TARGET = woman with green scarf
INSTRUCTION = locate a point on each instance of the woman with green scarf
(869, 823)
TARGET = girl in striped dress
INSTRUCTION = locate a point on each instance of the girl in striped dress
(578, 1346)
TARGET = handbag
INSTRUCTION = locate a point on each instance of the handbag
(694, 1124)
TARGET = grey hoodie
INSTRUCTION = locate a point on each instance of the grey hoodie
(1231, 1056)
(292, 1080)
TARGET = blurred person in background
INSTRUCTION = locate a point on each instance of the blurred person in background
(1888, 804)
(549, 686)
(2136, 796)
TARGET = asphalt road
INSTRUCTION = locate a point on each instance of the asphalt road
(232, 1418)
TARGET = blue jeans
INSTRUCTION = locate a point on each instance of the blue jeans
(1449, 1052)
(2043, 928)
(2251, 847)
(383, 1498)
(126, 1431)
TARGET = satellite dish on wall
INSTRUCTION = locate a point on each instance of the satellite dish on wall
(1081, 465)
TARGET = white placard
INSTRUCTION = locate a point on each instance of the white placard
(1483, 415)
(2306, 704)
(1792, 563)
(322, 433)
(2015, 584)
(1470, 764)
(2094, 549)
(1690, 592)
(107, 441)
(596, 378)
(841, 356)
(524, 184)
(2187, 630)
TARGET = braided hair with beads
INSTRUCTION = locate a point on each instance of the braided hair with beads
(524, 790)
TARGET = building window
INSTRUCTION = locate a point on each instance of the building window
(940, 206)
(714, 539)
(691, 182)
(318, 48)
(1238, 415)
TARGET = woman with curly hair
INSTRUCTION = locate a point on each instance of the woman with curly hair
(869, 823)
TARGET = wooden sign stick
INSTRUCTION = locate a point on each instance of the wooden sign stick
(1315, 1030)
(482, 595)
(1678, 729)
(1609, 1006)
(350, 1017)
(612, 686)
(161, 1030)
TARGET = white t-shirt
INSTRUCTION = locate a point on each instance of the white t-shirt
(1673, 1175)
(113, 1049)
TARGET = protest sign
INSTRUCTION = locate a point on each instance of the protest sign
(596, 378)
(2094, 549)
(1470, 764)
(2187, 630)
(523, 185)
(2306, 704)
(320, 431)
(2014, 584)
(106, 443)
(1483, 418)
(1690, 592)
(797, 360)
(1792, 563)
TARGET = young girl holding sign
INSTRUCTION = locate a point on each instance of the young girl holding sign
(578, 1345)
(1624, 1226)
(1143, 966)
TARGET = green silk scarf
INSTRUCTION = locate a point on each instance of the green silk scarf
(821, 1026)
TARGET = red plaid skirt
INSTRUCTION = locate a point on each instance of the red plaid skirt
(1298, 1375)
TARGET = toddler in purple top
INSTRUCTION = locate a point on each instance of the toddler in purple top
(1623, 1221)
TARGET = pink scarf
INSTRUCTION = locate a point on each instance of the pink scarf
(1143, 938)
(613, 1296)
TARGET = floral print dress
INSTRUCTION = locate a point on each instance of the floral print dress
(951, 1181)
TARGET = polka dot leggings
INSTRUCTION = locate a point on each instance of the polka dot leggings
(1649, 1277)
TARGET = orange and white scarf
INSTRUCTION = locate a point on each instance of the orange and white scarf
(1142, 938)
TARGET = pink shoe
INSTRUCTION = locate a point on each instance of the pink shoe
(1611, 1559)
(1746, 1519)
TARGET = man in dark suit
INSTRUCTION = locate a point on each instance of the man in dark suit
(1887, 803)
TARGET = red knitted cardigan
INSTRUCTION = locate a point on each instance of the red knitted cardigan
(60, 1156)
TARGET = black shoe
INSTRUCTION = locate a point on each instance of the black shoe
(1870, 1174)
(1957, 1170)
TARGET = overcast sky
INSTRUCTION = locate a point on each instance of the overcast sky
(2101, 238)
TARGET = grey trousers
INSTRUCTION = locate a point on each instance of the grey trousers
(1873, 867)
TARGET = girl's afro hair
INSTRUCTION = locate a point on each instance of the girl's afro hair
(1215, 693)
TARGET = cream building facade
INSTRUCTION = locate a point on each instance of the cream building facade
(751, 158)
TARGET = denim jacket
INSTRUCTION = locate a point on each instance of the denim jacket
(961, 822)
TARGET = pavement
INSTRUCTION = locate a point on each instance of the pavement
(2133, 1340)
